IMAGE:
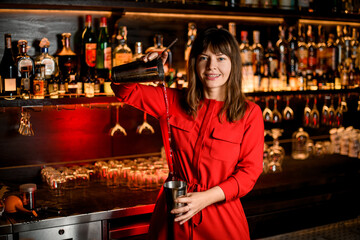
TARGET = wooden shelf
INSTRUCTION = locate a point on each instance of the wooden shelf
(175, 7)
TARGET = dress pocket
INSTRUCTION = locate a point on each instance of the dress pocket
(180, 130)
(225, 143)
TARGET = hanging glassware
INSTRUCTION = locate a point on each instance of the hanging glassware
(288, 113)
(314, 116)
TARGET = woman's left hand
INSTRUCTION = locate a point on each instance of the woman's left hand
(195, 202)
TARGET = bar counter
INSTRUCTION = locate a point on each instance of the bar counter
(316, 191)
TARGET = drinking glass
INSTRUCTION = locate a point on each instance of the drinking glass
(276, 115)
(112, 177)
(288, 113)
(307, 111)
(314, 116)
(267, 113)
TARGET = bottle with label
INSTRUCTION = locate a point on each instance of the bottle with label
(321, 61)
(340, 46)
(88, 49)
(355, 48)
(272, 63)
(53, 88)
(103, 49)
(347, 42)
(159, 48)
(51, 67)
(303, 52)
(312, 49)
(25, 84)
(192, 30)
(72, 84)
(24, 60)
(282, 49)
(292, 61)
(122, 53)
(8, 71)
(66, 57)
(38, 82)
(61, 85)
(331, 62)
(89, 87)
(258, 60)
(247, 64)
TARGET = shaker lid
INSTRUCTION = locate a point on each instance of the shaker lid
(28, 187)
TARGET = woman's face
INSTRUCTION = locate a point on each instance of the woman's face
(213, 69)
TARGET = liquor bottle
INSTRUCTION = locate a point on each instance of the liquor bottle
(272, 63)
(51, 67)
(332, 70)
(62, 87)
(38, 82)
(72, 84)
(53, 88)
(293, 61)
(355, 48)
(282, 50)
(88, 49)
(122, 53)
(232, 28)
(312, 49)
(192, 30)
(25, 84)
(89, 87)
(347, 43)
(257, 59)
(8, 71)
(66, 57)
(303, 52)
(24, 60)
(103, 49)
(246, 60)
(138, 51)
(321, 61)
(340, 46)
(159, 48)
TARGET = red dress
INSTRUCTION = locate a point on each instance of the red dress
(207, 153)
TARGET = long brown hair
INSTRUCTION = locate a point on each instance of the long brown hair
(219, 40)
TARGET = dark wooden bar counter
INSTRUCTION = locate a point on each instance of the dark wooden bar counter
(316, 191)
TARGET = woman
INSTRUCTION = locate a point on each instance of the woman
(217, 141)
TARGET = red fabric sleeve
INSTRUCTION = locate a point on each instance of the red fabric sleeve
(250, 164)
(146, 98)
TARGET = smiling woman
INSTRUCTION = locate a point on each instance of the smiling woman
(217, 141)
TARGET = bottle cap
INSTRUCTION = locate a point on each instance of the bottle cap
(28, 187)
(103, 22)
(88, 18)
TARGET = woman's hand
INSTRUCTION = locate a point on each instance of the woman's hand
(195, 202)
(153, 55)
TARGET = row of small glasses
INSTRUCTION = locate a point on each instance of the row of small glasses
(137, 174)
(146, 174)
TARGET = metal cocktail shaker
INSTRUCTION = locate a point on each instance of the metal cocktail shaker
(139, 71)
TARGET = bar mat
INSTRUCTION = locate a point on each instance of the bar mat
(344, 230)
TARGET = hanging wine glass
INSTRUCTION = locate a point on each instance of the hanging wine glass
(288, 113)
(344, 107)
(276, 114)
(325, 113)
(267, 113)
(331, 110)
(338, 115)
(307, 111)
(314, 116)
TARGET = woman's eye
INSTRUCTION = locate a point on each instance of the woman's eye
(202, 58)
